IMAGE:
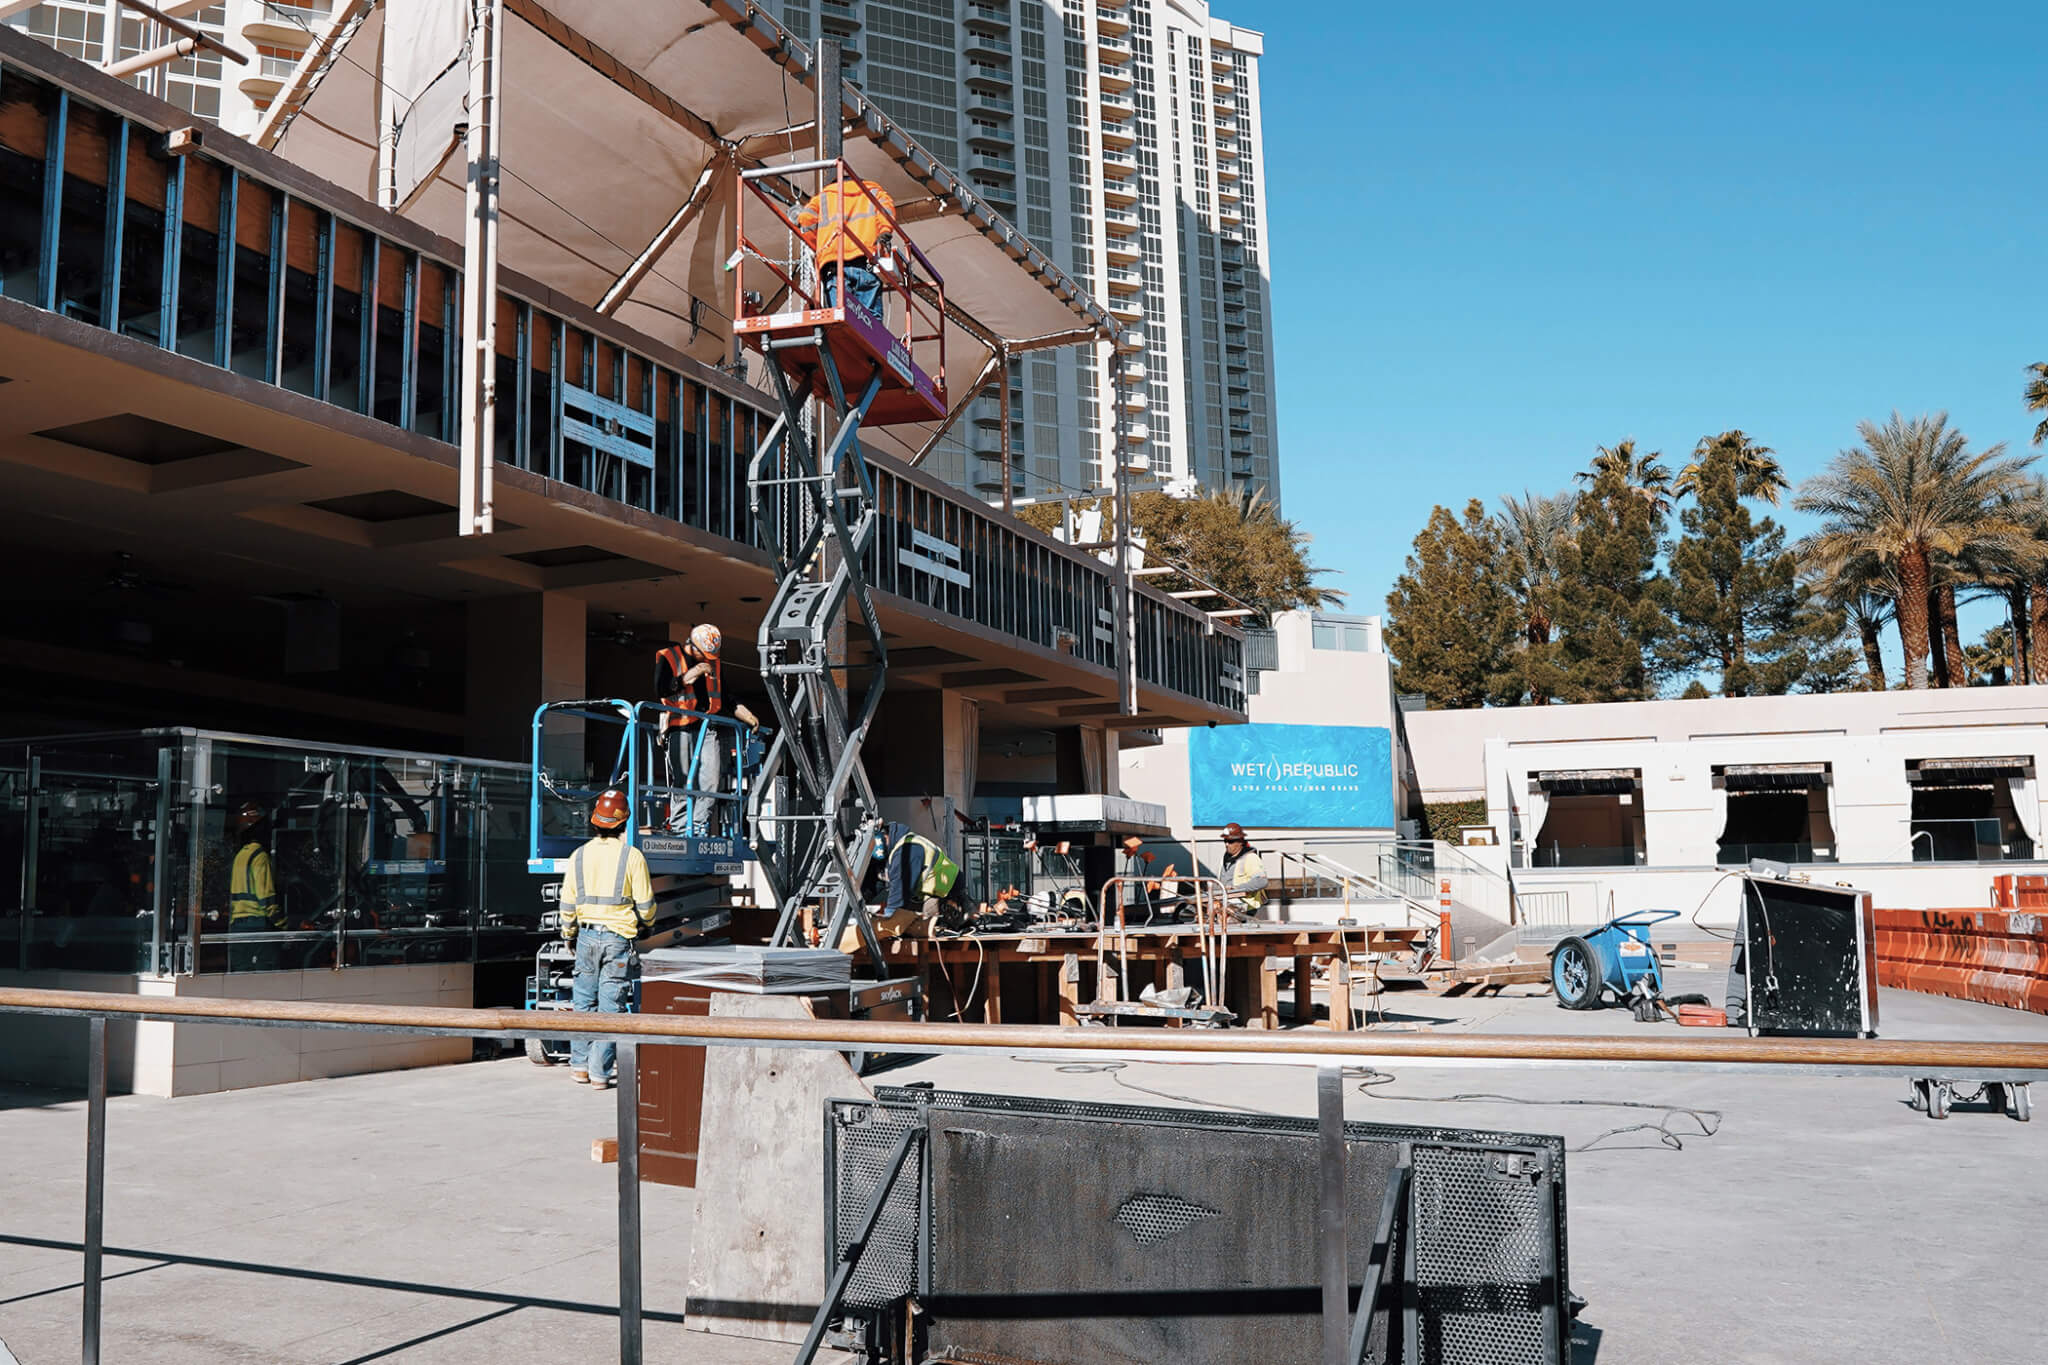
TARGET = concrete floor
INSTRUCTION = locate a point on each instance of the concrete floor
(453, 1215)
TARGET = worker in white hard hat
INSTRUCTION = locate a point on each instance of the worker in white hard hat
(688, 677)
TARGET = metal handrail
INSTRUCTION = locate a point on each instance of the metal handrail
(1212, 929)
(2003, 1061)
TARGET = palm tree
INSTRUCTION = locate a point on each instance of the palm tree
(1912, 490)
(2037, 398)
(1863, 590)
(1646, 475)
(1757, 471)
(1533, 529)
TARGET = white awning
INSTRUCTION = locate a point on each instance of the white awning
(612, 112)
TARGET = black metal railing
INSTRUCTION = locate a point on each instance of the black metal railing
(233, 257)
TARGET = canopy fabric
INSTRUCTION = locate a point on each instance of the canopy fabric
(613, 111)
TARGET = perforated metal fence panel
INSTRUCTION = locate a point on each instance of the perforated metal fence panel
(1062, 1231)
(1484, 1276)
(859, 1140)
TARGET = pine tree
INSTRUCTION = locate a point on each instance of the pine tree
(1611, 617)
(1738, 605)
(1453, 622)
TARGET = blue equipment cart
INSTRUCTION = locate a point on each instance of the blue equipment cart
(1615, 957)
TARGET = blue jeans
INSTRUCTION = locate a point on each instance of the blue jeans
(604, 984)
(863, 283)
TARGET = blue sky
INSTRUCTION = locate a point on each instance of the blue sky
(1503, 234)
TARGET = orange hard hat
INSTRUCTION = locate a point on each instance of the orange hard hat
(706, 640)
(247, 817)
(610, 810)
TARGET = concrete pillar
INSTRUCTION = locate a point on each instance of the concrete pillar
(922, 756)
(524, 650)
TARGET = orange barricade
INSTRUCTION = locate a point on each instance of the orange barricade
(1996, 957)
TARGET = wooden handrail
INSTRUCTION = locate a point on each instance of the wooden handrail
(1885, 1056)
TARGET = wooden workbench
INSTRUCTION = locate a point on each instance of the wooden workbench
(1022, 978)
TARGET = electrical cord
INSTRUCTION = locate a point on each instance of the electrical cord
(1371, 1083)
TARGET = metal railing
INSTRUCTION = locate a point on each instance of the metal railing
(1326, 1051)
(321, 293)
(1986, 840)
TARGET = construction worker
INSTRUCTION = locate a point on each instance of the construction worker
(1244, 872)
(253, 907)
(913, 871)
(689, 677)
(851, 220)
(607, 902)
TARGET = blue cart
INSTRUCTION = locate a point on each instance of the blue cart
(1615, 957)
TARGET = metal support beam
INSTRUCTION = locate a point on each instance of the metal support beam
(693, 205)
(152, 59)
(1334, 1243)
(959, 409)
(628, 1066)
(480, 273)
(1003, 360)
(199, 37)
(95, 1180)
(298, 88)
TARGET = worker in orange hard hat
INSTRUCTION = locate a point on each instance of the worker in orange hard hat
(607, 902)
(690, 677)
(848, 227)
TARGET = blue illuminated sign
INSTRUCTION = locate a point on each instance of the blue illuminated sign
(1293, 776)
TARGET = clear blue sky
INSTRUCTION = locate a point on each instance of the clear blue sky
(1503, 234)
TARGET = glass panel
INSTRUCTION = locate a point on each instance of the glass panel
(255, 295)
(1325, 636)
(351, 266)
(82, 827)
(199, 265)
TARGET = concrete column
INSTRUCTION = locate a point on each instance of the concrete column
(524, 650)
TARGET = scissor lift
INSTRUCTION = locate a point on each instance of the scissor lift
(814, 502)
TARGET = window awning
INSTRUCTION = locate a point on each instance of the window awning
(1967, 772)
(1587, 781)
(1772, 777)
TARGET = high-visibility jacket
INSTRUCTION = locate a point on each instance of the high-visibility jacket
(1244, 879)
(252, 887)
(940, 871)
(607, 887)
(674, 685)
(847, 213)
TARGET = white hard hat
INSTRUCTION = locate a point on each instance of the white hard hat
(705, 639)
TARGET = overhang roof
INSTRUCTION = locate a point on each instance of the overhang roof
(615, 110)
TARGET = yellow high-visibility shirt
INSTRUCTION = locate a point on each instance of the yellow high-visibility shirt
(608, 887)
(252, 887)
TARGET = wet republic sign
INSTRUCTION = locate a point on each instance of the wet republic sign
(1292, 776)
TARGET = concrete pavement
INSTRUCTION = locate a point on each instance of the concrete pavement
(453, 1215)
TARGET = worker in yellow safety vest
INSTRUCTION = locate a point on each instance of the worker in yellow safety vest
(607, 902)
(1244, 872)
(253, 907)
(847, 225)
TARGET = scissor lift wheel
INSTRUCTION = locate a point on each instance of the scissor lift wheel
(1936, 1097)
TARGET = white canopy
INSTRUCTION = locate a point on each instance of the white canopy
(624, 125)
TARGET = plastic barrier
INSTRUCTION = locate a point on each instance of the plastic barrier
(1995, 957)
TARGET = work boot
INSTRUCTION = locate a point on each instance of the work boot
(580, 1077)
(601, 1083)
